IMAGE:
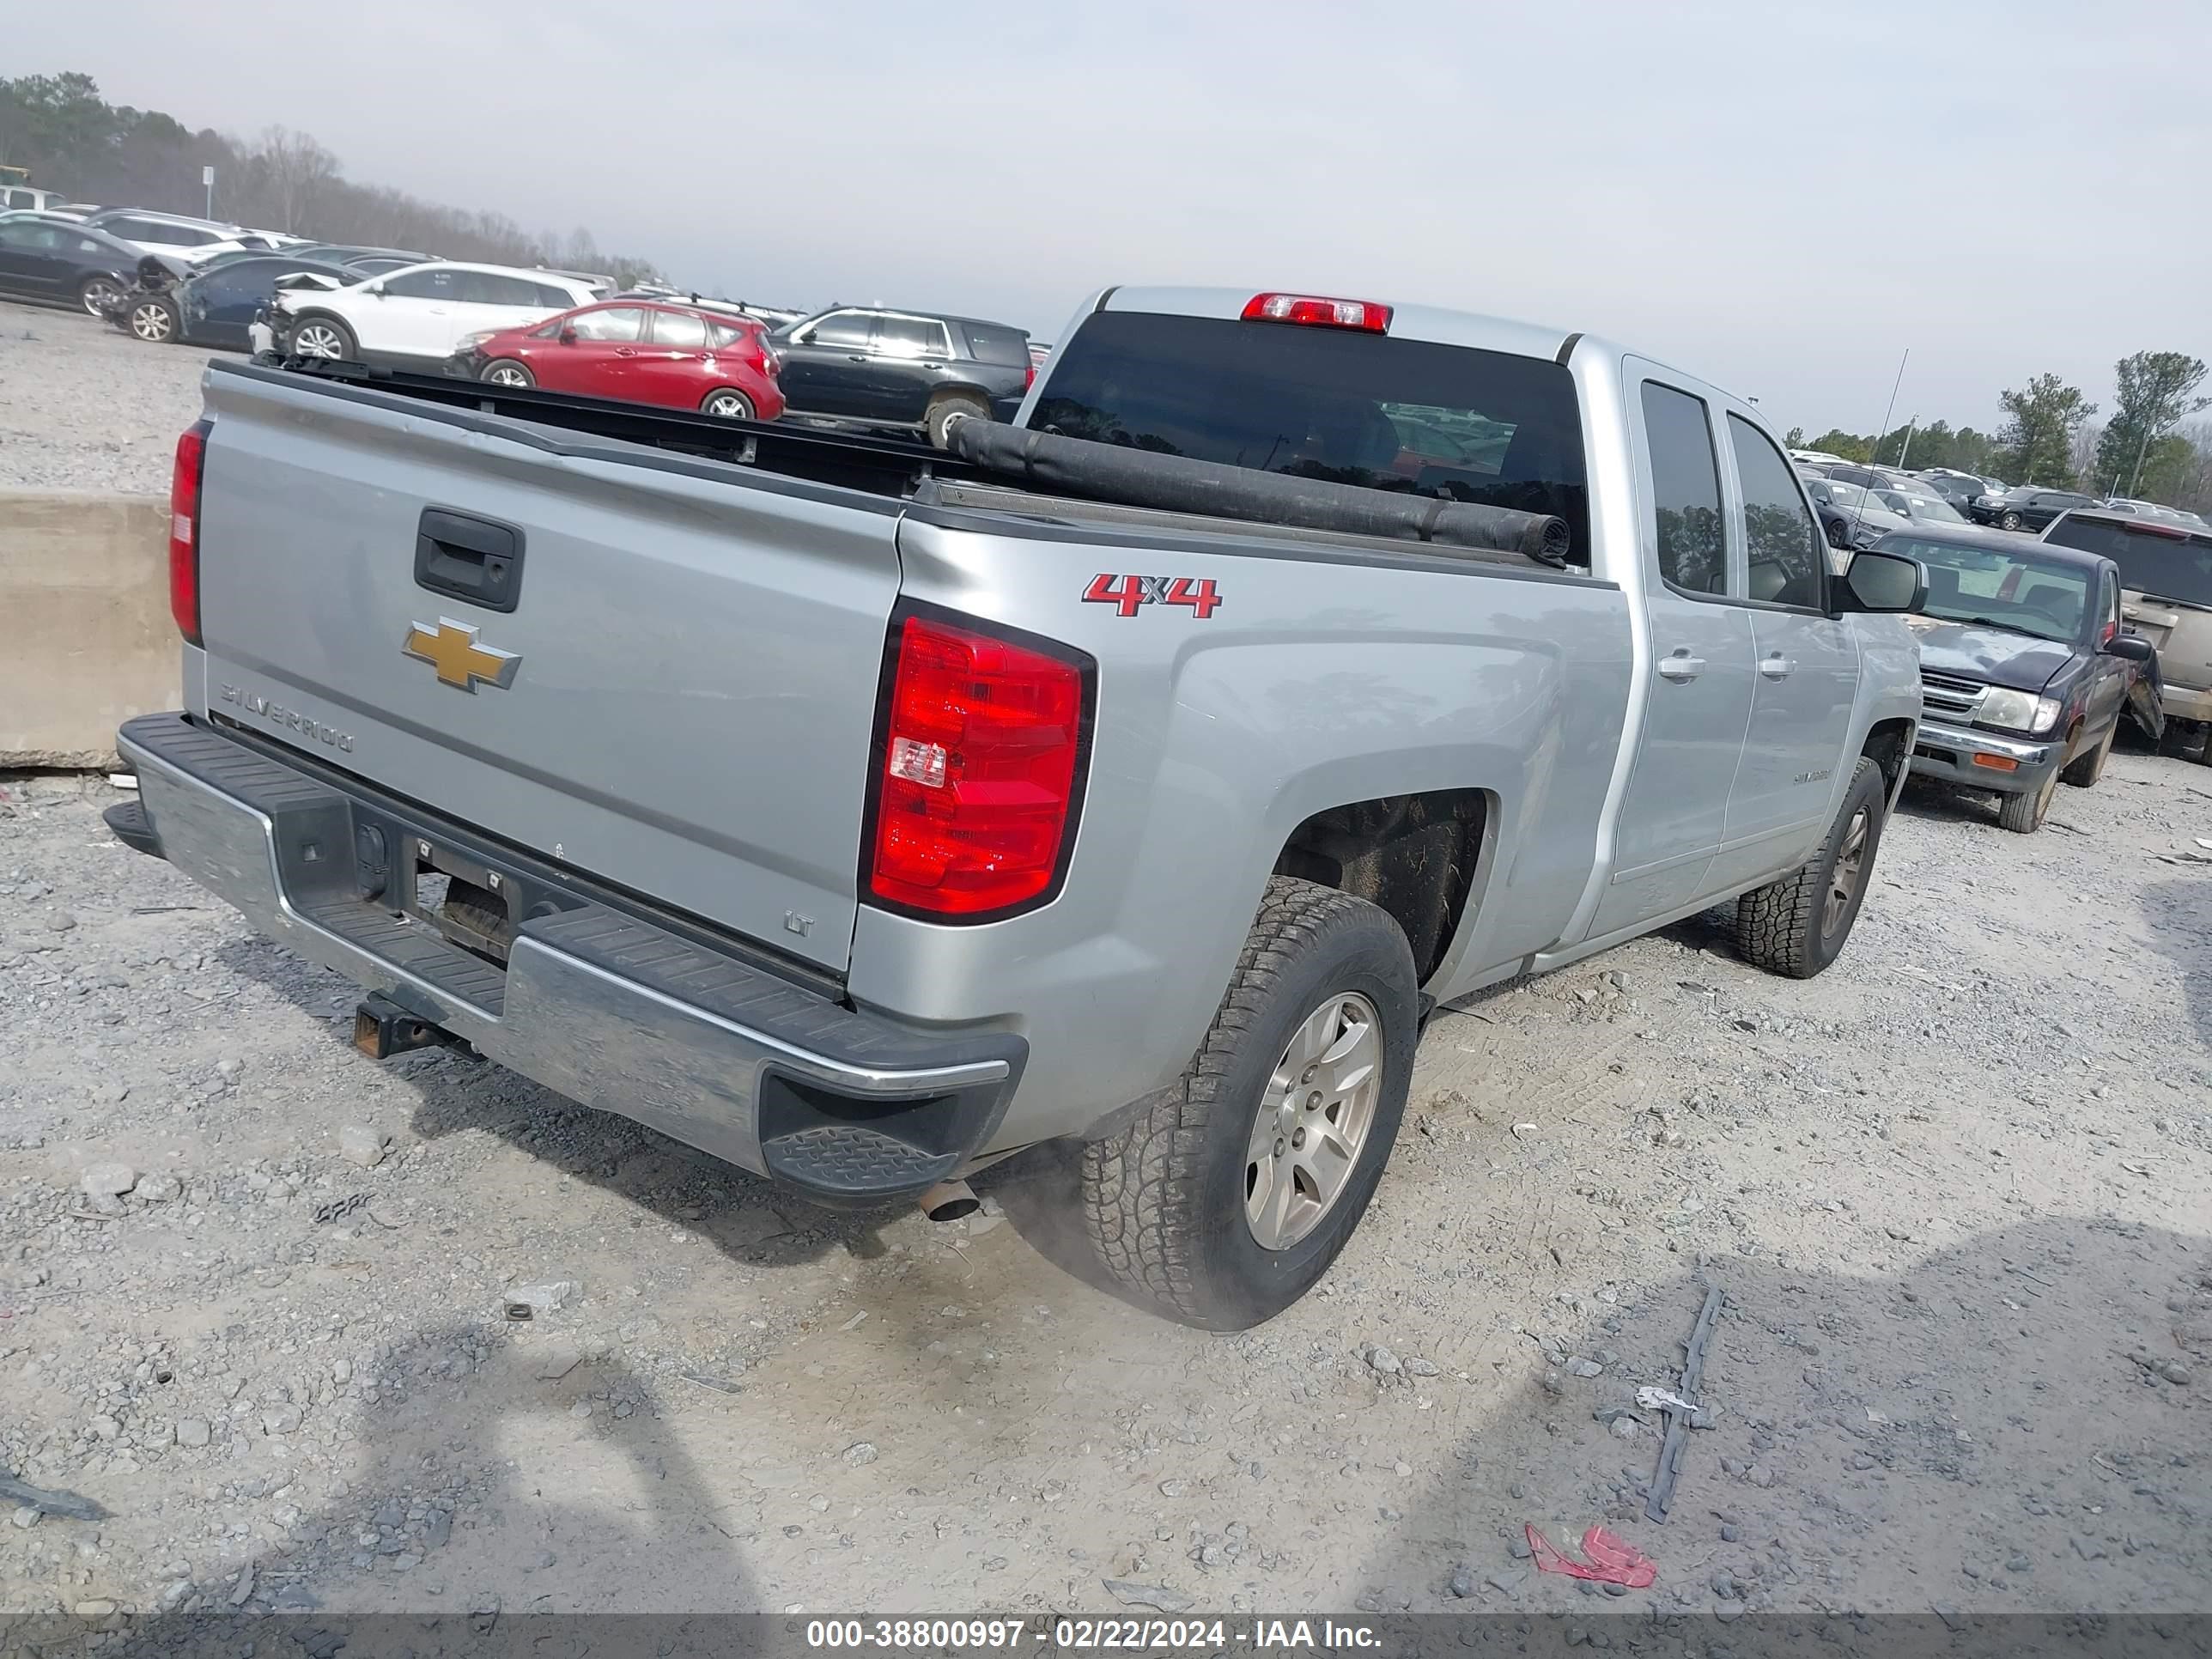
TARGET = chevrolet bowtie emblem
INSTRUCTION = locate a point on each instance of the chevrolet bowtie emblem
(451, 647)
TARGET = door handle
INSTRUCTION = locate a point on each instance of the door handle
(1681, 667)
(856, 359)
(1776, 666)
(478, 560)
(624, 351)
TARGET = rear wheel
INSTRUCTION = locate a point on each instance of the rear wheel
(97, 294)
(2088, 768)
(1796, 926)
(1225, 1201)
(946, 410)
(505, 371)
(323, 336)
(2023, 814)
(727, 405)
(153, 321)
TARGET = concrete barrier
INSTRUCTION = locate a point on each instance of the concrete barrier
(86, 641)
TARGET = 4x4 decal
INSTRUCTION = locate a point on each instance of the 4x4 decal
(1126, 593)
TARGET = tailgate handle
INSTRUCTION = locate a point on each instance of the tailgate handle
(469, 558)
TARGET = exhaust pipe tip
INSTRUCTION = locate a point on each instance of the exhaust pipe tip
(950, 1200)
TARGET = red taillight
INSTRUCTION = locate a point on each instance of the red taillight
(184, 529)
(1317, 312)
(1029, 377)
(976, 790)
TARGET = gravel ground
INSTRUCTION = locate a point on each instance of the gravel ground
(85, 406)
(1955, 1192)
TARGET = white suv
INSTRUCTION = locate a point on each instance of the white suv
(423, 310)
(179, 237)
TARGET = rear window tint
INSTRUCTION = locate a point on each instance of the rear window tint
(2155, 559)
(1009, 348)
(1406, 416)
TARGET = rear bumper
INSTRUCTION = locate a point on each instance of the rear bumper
(2186, 703)
(1948, 752)
(603, 1004)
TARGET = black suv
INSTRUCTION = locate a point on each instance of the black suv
(902, 367)
(2025, 508)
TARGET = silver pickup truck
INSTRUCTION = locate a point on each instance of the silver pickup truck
(1143, 773)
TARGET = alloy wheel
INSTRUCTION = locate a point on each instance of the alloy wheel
(99, 294)
(317, 340)
(507, 374)
(1313, 1120)
(151, 322)
(1850, 869)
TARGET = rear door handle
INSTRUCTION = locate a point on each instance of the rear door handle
(856, 360)
(1776, 666)
(1681, 667)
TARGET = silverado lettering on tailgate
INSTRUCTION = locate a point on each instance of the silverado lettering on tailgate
(291, 718)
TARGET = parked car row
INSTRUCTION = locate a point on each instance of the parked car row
(166, 278)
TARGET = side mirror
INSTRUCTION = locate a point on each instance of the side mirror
(1883, 584)
(567, 337)
(376, 288)
(2133, 647)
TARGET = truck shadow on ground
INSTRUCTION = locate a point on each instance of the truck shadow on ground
(2013, 1424)
(484, 1510)
(455, 1092)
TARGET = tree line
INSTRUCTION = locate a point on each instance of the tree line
(71, 139)
(2050, 437)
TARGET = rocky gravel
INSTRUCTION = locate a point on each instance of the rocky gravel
(318, 1334)
(85, 406)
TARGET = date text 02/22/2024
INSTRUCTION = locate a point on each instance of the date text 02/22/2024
(1085, 1634)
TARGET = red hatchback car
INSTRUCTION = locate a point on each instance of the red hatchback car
(641, 351)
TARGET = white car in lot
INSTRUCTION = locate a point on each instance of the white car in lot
(422, 311)
(177, 236)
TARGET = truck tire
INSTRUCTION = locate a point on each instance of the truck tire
(2088, 766)
(1178, 1202)
(1796, 926)
(2023, 814)
(942, 413)
(2009, 520)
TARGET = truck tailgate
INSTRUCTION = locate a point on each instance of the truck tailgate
(692, 655)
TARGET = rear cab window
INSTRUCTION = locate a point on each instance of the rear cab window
(1406, 415)
(2165, 561)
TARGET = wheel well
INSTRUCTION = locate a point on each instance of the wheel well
(1885, 747)
(970, 393)
(1413, 856)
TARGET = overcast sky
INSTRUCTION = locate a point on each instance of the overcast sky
(1781, 198)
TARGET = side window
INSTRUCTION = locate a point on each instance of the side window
(554, 298)
(1685, 490)
(679, 329)
(911, 337)
(488, 287)
(844, 328)
(1779, 537)
(616, 323)
(422, 285)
